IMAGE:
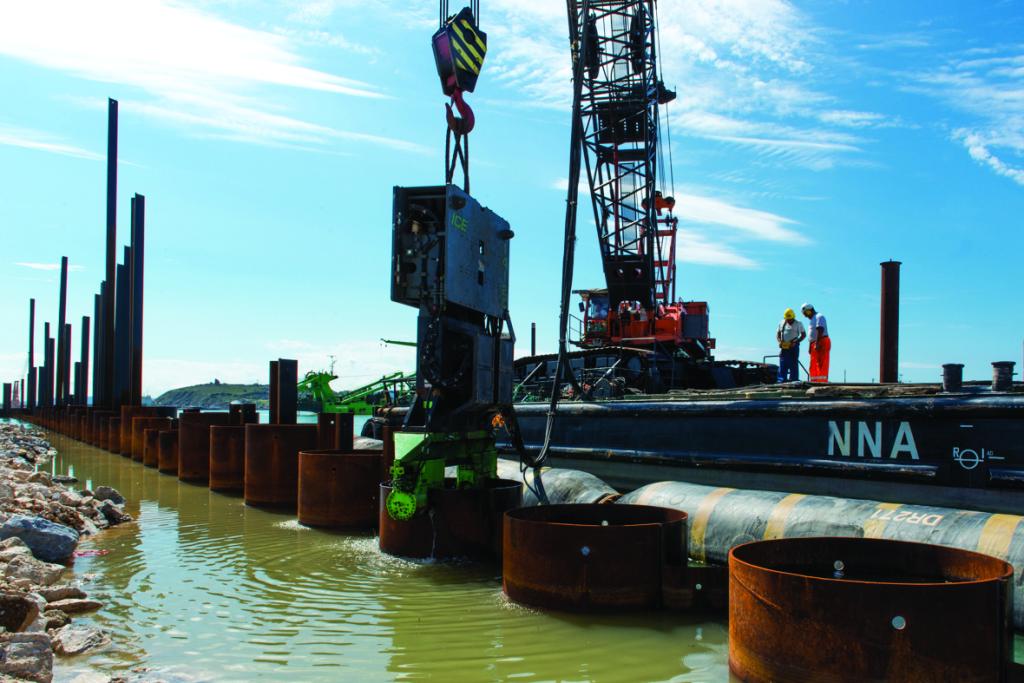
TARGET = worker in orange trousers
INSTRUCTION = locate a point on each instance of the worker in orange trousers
(821, 344)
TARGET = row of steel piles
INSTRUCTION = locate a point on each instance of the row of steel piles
(58, 391)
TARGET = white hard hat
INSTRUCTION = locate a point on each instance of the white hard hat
(806, 307)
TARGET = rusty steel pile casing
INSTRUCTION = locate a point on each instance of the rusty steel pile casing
(339, 488)
(272, 462)
(139, 425)
(243, 414)
(99, 427)
(335, 432)
(227, 457)
(856, 609)
(128, 413)
(461, 522)
(194, 444)
(114, 435)
(167, 458)
(596, 557)
(151, 447)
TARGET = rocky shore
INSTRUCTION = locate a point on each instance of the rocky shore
(42, 520)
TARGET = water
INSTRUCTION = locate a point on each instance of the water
(210, 589)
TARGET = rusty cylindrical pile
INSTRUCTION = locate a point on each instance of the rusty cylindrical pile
(339, 488)
(597, 557)
(857, 609)
(272, 462)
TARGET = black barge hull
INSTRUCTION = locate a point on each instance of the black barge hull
(955, 451)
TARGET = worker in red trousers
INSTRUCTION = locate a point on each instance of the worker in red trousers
(821, 344)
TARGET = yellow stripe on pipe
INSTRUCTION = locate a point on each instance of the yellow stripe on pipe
(780, 513)
(699, 522)
(997, 534)
(874, 525)
(650, 492)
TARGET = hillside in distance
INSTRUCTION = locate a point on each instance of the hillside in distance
(215, 396)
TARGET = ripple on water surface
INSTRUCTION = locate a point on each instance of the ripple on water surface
(209, 589)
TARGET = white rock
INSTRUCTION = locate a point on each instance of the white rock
(74, 639)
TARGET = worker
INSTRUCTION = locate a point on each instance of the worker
(821, 344)
(789, 335)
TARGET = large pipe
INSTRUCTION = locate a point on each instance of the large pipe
(137, 267)
(888, 371)
(65, 391)
(274, 412)
(31, 402)
(82, 390)
(108, 309)
(287, 391)
(7, 398)
(62, 306)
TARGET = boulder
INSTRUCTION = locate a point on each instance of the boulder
(75, 605)
(47, 540)
(74, 639)
(27, 656)
(65, 479)
(70, 499)
(108, 493)
(62, 592)
(28, 567)
(17, 611)
(54, 618)
(112, 513)
(40, 478)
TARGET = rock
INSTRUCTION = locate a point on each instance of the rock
(65, 479)
(8, 554)
(112, 513)
(74, 639)
(108, 493)
(48, 541)
(94, 677)
(17, 612)
(39, 573)
(89, 527)
(62, 592)
(70, 499)
(6, 490)
(75, 605)
(40, 478)
(54, 618)
(27, 656)
(12, 542)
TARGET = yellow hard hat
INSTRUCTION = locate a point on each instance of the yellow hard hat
(789, 314)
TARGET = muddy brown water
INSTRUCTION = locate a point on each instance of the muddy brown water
(202, 587)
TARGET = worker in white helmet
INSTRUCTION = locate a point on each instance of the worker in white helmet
(821, 344)
(789, 335)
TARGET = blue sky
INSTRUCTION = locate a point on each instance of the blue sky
(810, 141)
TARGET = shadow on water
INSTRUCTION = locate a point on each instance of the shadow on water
(211, 589)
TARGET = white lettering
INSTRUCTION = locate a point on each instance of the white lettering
(864, 437)
(837, 439)
(904, 442)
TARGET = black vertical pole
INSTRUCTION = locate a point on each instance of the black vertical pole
(275, 413)
(76, 392)
(889, 342)
(287, 391)
(67, 364)
(83, 386)
(533, 339)
(62, 306)
(98, 373)
(137, 280)
(121, 334)
(48, 367)
(31, 403)
(108, 309)
(7, 398)
(22, 394)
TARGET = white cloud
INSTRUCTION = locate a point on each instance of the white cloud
(47, 266)
(43, 142)
(761, 225)
(989, 90)
(201, 71)
(693, 247)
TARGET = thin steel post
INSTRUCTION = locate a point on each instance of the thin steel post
(121, 335)
(889, 341)
(98, 372)
(533, 339)
(108, 311)
(83, 389)
(31, 403)
(48, 352)
(66, 360)
(7, 397)
(62, 306)
(137, 280)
